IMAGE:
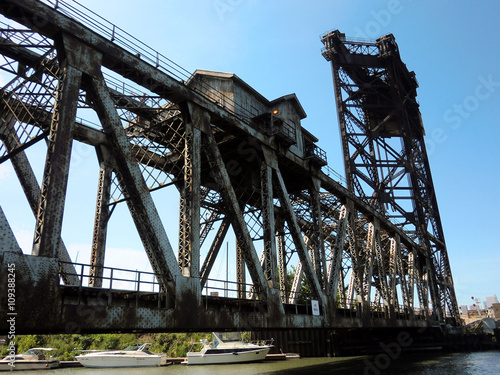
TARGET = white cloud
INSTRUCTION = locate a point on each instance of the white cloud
(5, 171)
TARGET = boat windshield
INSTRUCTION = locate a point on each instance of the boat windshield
(131, 348)
(227, 336)
(38, 351)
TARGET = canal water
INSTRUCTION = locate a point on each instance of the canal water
(478, 363)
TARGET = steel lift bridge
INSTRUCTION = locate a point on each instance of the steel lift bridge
(237, 165)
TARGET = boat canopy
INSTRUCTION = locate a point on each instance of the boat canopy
(226, 336)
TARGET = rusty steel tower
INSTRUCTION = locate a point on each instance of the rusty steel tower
(385, 158)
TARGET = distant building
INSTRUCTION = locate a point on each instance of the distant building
(463, 309)
(491, 300)
(494, 311)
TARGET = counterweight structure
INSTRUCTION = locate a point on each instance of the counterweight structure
(233, 165)
(385, 158)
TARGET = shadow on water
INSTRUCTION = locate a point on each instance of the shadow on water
(352, 365)
(478, 363)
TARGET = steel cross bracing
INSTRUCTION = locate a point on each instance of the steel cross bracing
(384, 151)
(232, 170)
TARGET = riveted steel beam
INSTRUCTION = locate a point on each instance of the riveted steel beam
(335, 264)
(190, 193)
(102, 215)
(318, 242)
(268, 223)
(55, 178)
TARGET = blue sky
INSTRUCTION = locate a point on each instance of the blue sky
(275, 47)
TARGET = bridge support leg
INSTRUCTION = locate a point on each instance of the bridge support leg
(190, 194)
(318, 252)
(334, 274)
(102, 214)
(270, 265)
(55, 177)
(283, 275)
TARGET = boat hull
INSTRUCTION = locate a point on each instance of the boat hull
(103, 361)
(227, 358)
(28, 365)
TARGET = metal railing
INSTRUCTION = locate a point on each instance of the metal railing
(120, 279)
(313, 151)
(334, 175)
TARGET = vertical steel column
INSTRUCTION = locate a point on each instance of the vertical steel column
(102, 214)
(55, 177)
(356, 277)
(393, 270)
(241, 278)
(412, 274)
(380, 256)
(270, 266)
(318, 243)
(190, 194)
(400, 270)
(281, 244)
(368, 270)
(335, 265)
(421, 281)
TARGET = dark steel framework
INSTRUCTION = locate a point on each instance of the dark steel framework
(232, 170)
(385, 157)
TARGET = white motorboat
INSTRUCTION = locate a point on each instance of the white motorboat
(136, 355)
(228, 347)
(32, 359)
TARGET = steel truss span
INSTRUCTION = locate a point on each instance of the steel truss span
(238, 166)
